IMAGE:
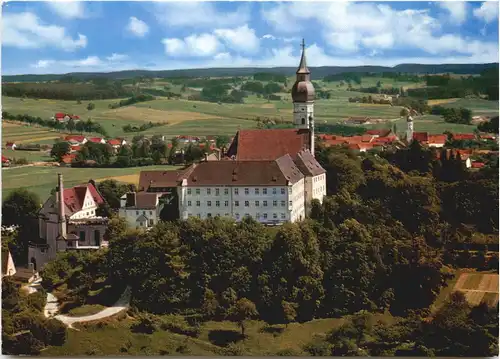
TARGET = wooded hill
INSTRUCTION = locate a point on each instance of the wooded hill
(316, 72)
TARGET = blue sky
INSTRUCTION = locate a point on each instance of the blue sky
(60, 37)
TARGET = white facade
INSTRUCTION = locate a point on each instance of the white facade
(140, 218)
(302, 111)
(315, 188)
(266, 204)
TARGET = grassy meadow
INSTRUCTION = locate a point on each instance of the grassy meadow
(41, 180)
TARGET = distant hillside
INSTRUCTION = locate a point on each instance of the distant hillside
(317, 72)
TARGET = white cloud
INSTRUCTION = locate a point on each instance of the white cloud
(488, 11)
(25, 31)
(117, 57)
(269, 36)
(348, 26)
(194, 45)
(137, 27)
(457, 9)
(68, 9)
(199, 15)
(91, 61)
(240, 39)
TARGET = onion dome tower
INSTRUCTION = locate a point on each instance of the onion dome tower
(303, 96)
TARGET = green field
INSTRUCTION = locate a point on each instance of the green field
(42, 180)
(116, 338)
(31, 156)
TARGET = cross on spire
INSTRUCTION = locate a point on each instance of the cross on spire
(303, 66)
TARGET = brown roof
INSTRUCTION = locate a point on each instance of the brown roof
(307, 164)
(245, 173)
(145, 200)
(159, 179)
(268, 144)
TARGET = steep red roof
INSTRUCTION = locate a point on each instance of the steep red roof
(76, 148)
(75, 117)
(59, 115)
(268, 144)
(421, 136)
(4, 159)
(477, 164)
(75, 138)
(114, 142)
(95, 139)
(381, 132)
(68, 158)
(464, 136)
(75, 197)
(437, 139)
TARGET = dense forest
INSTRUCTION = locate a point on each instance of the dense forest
(317, 72)
(446, 86)
(66, 91)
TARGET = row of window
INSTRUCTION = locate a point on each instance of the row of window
(237, 203)
(256, 191)
(318, 178)
(144, 213)
(237, 215)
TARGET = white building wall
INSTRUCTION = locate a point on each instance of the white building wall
(131, 215)
(302, 111)
(297, 201)
(265, 204)
(319, 187)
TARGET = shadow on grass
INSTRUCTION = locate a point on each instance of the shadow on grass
(270, 329)
(223, 338)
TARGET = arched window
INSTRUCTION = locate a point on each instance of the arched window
(303, 121)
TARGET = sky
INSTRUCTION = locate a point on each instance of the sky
(102, 36)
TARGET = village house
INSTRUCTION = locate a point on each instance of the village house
(97, 140)
(10, 146)
(76, 140)
(464, 136)
(68, 221)
(63, 117)
(116, 143)
(5, 161)
(140, 210)
(68, 159)
(425, 138)
(354, 120)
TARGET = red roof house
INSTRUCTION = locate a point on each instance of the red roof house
(464, 136)
(67, 159)
(5, 159)
(421, 137)
(97, 140)
(75, 138)
(477, 164)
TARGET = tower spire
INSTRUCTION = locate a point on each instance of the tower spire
(303, 64)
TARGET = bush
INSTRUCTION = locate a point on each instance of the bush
(318, 349)
(288, 352)
(58, 332)
(179, 326)
(146, 324)
(37, 300)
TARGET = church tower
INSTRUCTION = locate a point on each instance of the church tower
(409, 129)
(303, 98)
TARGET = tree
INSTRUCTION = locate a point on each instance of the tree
(71, 125)
(289, 312)
(59, 150)
(20, 208)
(244, 309)
(112, 191)
(221, 141)
(90, 106)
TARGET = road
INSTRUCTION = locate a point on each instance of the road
(51, 308)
